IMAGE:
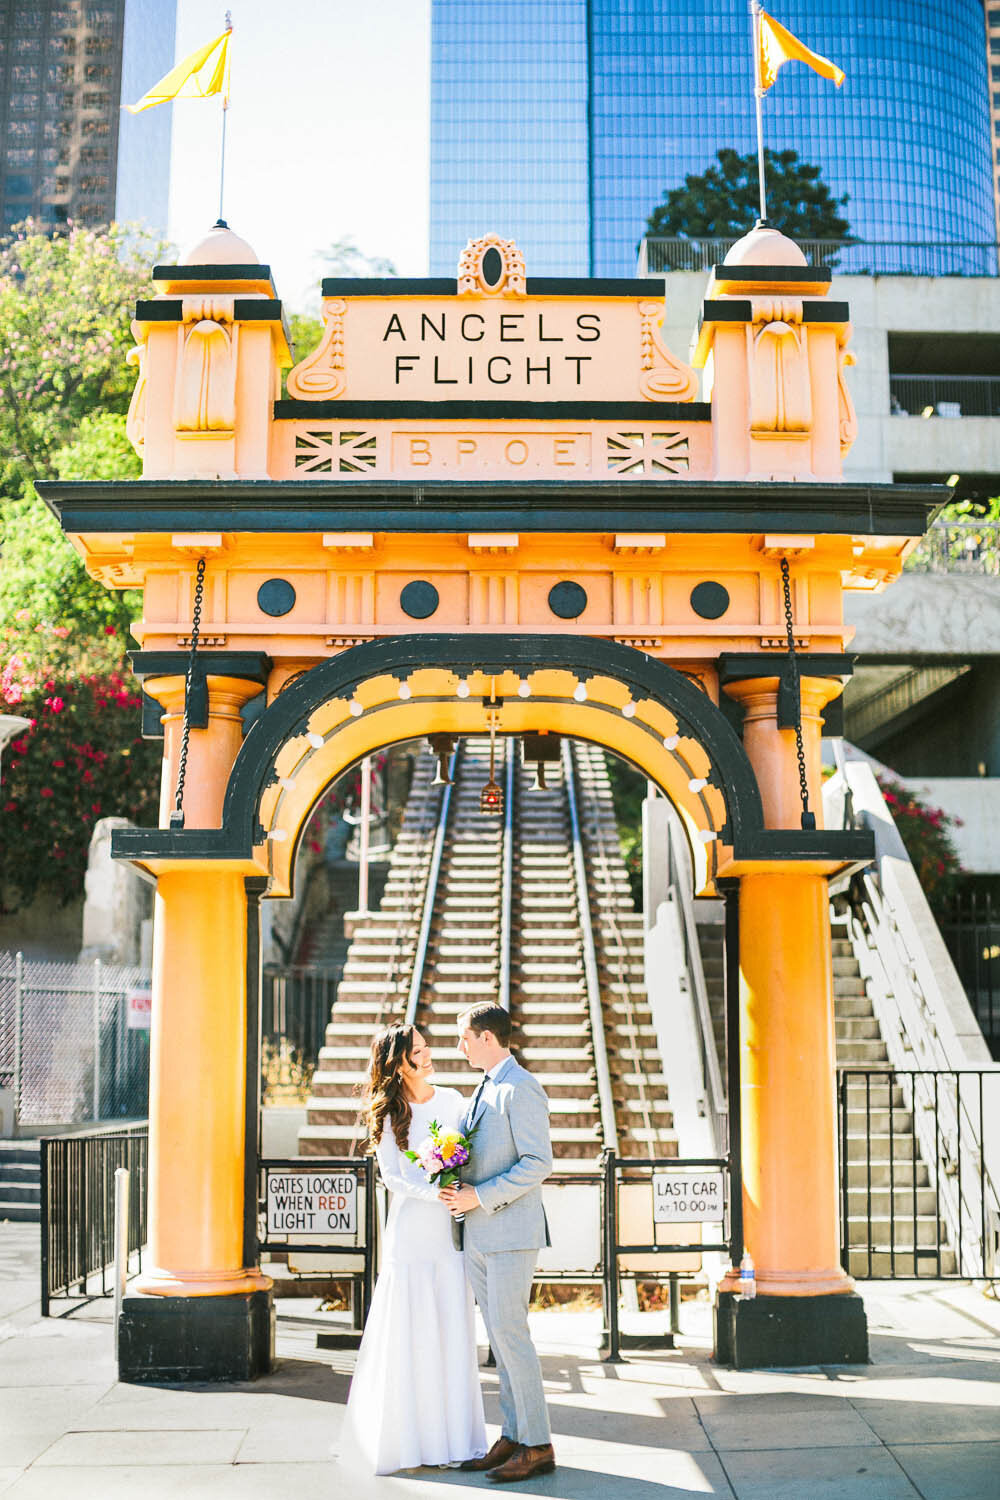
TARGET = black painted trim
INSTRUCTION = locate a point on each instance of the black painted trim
(826, 312)
(255, 887)
(730, 892)
(714, 310)
(538, 411)
(212, 273)
(339, 676)
(708, 507)
(447, 286)
(740, 310)
(772, 273)
(245, 310)
(743, 666)
(253, 666)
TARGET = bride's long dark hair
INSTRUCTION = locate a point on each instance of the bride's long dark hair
(384, 1094)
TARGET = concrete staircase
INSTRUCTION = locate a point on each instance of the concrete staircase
(642, 1108)
(376, 976)
(888, 1184)
(20, 1181)
(548, 996)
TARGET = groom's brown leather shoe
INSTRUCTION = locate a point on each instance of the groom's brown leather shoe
(525, 1464)
(502, 1449)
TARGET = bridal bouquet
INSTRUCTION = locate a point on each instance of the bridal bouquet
(442, 1156)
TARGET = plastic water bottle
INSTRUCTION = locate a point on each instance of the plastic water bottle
(748, 1281)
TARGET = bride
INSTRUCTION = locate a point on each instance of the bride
(415, 1398)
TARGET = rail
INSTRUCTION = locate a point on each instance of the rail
(948, 1224)
(640, 1171)
(659, 254)
(430, 892)
(715, 1090)
(924, 1016)
(944, 395)
(78, 1206)
(507, 877)
(605, 1094)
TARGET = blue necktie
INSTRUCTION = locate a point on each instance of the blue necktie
(471, 1116)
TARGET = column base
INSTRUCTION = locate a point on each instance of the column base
(776, 1332)
(177, 1340)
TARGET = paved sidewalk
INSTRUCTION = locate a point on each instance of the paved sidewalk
(923, 1420)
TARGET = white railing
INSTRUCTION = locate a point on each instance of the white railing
(926, 1021)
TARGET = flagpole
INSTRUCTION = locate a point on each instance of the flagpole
(758, 98)
(225, 112)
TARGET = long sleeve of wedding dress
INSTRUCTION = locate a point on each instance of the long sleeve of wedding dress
(400, 1175)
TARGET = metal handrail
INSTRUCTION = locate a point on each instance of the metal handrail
(507, 880)
(717, 1100)
(609, 1128)
(430, 894)
(617, 967)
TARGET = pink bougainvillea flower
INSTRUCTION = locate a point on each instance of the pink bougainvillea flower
(62, 631)
(56, 704)
(46, 791)
(22, 616)
(110, 630)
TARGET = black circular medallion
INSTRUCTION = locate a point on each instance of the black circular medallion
(567, 600)
(276, 596)
(492, 266)
(709, 600)
(419, 599)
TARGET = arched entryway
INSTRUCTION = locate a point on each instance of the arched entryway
(210, 881)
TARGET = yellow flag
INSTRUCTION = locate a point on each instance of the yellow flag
(204, 72)
(777, 46)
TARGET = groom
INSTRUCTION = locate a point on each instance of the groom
(504, 1230)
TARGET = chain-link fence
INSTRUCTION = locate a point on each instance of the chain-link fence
(74, 1040)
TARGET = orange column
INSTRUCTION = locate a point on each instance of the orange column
(787, 1040)
(211, 751)
(197, 1064)
(787, 1085)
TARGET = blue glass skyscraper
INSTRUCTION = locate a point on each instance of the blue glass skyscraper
(561, 123)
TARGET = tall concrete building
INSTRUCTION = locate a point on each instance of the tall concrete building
(561, 123)
(70, 152)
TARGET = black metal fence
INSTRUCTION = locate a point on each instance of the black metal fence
(663, 1241)
(296, 1004)
(661, 254)
(971, 931)
(917, 1194)
(78, 1206)
(945, 395)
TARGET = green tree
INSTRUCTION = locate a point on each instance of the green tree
(81, 758)
(344, 258)
(65, 307)
(723, 201)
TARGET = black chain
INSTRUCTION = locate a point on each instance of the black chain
(177, 817)
(808, 818)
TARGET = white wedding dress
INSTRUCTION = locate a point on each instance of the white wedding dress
(415, 1397)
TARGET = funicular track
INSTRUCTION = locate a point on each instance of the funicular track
(532, 910)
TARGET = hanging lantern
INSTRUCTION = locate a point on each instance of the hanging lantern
(491, 797)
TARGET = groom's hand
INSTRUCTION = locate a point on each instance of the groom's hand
(459, 1200)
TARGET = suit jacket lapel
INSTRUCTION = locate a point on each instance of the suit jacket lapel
(479, 1098)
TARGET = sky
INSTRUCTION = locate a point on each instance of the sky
(327, 134)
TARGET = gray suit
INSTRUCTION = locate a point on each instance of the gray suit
(511, 1157)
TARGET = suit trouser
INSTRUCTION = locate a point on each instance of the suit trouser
(501, 1281)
